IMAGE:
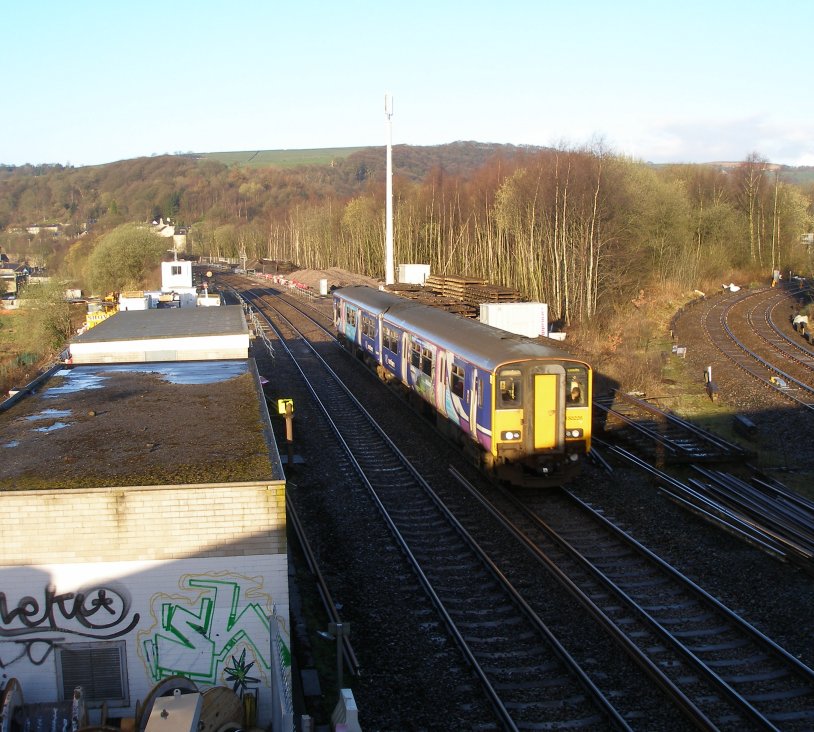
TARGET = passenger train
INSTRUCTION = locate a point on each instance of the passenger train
(523, 409)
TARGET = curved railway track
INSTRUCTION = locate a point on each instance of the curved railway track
(716, 324)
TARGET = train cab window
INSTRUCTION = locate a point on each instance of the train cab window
(509, 389)
(390, 339)
(368, 326)
(456, 380)
(576, 386)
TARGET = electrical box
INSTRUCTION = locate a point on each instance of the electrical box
(176, 713)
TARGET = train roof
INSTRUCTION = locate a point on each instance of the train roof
(474, 341)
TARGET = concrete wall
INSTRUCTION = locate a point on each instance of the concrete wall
(185, 576)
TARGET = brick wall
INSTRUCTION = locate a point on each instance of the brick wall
(157, 522)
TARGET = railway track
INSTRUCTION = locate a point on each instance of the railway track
(522, 668)
(735, 676)
(758, 511)
(721, 334)
(662, 435)
(409, 523)
(729, 706)
(762, 318)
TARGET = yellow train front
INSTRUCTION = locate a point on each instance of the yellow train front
(521, 407)
(541, 420)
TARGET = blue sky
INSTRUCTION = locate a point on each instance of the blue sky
(87, 82)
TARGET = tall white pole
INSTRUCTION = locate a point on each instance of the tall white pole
(389, 273)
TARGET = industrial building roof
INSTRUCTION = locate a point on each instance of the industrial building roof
(132, 325)
(91, 426)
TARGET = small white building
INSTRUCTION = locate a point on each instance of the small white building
(134, 300)
(176, 280)
(529, 319)
(413, 274)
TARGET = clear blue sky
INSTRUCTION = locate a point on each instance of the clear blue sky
(87, 82)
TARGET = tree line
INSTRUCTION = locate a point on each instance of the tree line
(580, 228)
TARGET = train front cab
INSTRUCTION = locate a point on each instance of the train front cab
(542, 420)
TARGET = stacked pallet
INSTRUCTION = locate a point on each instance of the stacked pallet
(456, 294)
(403, 288)
(477, 294)
(451, 285)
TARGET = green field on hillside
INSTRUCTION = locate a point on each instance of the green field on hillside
(281, 158)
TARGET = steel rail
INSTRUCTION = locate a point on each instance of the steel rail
(687, 707)
(503, 713)
(723, 315)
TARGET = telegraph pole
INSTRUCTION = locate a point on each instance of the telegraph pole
(389, 273)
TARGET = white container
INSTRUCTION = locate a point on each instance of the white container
(524, 318)
(413, 274)
(323, 287)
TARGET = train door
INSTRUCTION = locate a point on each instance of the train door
(547, 422)
(441, 382)
(351, 323)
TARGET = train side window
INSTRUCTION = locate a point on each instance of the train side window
(350, 317)
(456, 380)
(390, 339)
(426, 361)
(368, 326)
(576, 386)
(509, 388)
(415, 355)
(479, 389)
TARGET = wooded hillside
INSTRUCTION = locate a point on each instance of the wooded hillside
(581, 229)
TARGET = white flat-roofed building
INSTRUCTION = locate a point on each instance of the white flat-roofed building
(142, 512)
(171, 334)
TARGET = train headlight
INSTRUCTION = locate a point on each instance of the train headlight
(510, 435)
(573, 433)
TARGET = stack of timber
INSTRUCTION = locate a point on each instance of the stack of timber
(457, 294)
(451, 285)
(477, 294)
(403, 288)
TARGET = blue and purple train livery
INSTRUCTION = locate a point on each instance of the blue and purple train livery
(522, 407)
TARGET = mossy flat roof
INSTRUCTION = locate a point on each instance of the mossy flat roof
(187, 422)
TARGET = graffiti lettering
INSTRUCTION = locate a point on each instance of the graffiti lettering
(198, 640)
(100, 612)
(36, 650)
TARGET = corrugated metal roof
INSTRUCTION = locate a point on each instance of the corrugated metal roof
(132, 325)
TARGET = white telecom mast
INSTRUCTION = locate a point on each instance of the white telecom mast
(389, 274)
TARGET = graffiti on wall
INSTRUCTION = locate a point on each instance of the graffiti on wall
(217, 633)
(99, 613)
